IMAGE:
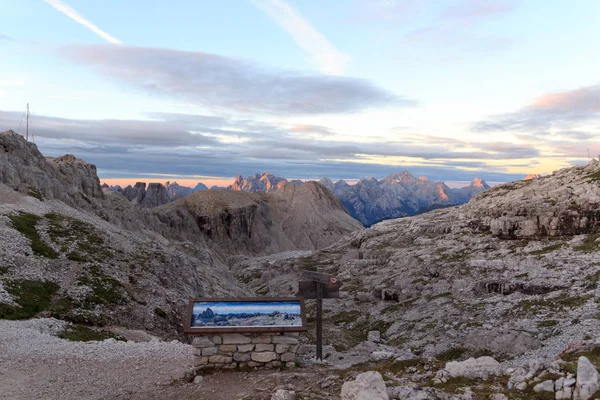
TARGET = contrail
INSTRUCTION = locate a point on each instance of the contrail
(75, 16)
(329, 59)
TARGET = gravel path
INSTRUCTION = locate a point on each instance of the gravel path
(36, 365)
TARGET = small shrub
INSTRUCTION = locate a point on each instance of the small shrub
(33, 192)
(547, 323)
(80, 333)
(548, 249)
(160, 312)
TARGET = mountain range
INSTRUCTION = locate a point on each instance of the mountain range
(369, 200)
(513, 274)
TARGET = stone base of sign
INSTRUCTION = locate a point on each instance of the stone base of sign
(236, 350)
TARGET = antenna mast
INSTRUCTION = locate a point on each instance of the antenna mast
(27, 129)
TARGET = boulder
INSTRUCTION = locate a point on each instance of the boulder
(546, 386)
(481, 367)
(374, 336)
(282, 394)
(367, 386)
(588, 380)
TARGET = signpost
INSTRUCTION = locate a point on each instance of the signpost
(319, 286)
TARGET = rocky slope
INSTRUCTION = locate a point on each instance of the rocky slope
(514, 273)
(399, 195)
(296, 217)
(93, 257)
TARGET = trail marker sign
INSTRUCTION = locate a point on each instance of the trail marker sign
(319, 286)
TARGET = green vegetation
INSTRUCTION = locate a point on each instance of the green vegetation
(547, 323)
(4, 270)
(25, 223)
(589, 244)
(105, 290)
(80, 333)
(81, 237)
(452, 354)
(33, 192)
(562, 301)
(31, 298)
(160, 312)
(594, 177)
(548, 249)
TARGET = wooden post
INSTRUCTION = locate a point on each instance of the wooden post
(319, 321)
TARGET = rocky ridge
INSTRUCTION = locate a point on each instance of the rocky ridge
(399, 195)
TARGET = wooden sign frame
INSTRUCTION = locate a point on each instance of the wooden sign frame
(192, 330)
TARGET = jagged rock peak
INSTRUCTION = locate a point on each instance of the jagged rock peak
(398, 177)
(265, 182)
(531, 176)
(25, 169)
(479, 183)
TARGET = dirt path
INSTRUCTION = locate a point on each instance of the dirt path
(36, 365)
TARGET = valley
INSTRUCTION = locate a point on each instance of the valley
(513, 274)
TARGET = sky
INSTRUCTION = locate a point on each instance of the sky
(233, 307)
(157, 90)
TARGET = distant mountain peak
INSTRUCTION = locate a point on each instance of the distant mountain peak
(531, 176)
(398, 177)
(479, 183)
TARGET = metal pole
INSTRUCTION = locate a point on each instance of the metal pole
(27, 130)
(319, 321)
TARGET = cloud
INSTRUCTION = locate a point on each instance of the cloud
(328, 59)
(561, 110)
(75, 16)
(473, 11)
(189, 145)
(217, 82)
(6, 38)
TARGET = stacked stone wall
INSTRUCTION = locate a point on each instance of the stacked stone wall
(229, 351)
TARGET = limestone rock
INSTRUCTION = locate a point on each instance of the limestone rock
(282, 394)
(367, 386)
(545, 386)
(236, 338)
(588, 380)
(374, 336)
(264, 357)
(481, 367)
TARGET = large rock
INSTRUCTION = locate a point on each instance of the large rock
(367, 386)
(282, 394)
(588, 380)
(481, 367)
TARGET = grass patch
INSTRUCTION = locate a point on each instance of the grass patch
(546, 250)
(589, 244)
(4, 270)
(80, 333)
(160, 312)
(548, 323)
(452, 354)
(105, 290)
(594, 177)
(25, 223)
(563, 301)
(31, 298)
(72, 233)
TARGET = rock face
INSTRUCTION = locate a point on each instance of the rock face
(588, 380)
(66, 178)
(292, 218)
(157, 194)
(265, 182)
(564, 203)
(398, 195)
(367, 386)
